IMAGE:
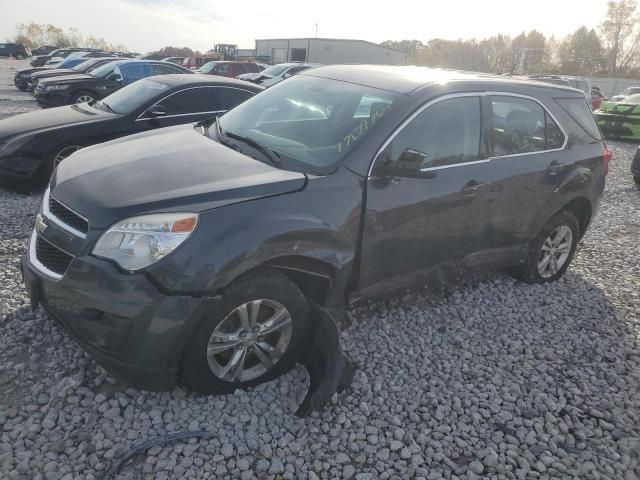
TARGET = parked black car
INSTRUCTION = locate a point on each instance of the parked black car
(15, 50)
(41, 60)
(27, 79)
(635, 167)
(102, 81)
(198, 252)
(35, 142)
(43, 50)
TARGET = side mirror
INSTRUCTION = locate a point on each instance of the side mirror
(409, 164)
(157, 111)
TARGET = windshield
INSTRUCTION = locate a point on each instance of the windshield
(207, 67)
(103, 70)
(310, 123)
(132, 97)
(275, 70)
(82, 66)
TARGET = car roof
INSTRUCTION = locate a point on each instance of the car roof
(406, 79)
(178, 79)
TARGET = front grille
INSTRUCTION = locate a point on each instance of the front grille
(51, 257)
(67, 216)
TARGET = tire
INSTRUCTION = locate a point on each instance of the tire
(534, 272)
(59, 154)
(84, 97)
(636, 180)
(212, 375)
(19, 56)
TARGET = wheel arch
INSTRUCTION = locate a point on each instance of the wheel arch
(582, 209)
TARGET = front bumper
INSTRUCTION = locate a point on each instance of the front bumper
(122, 320)
(52, 99)
(619, 125)
(21, 83)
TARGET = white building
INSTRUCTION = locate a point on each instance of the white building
(326, 51)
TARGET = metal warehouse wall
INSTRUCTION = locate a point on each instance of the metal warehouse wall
(330, 51)
(613, 86)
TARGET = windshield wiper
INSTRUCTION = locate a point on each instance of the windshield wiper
(272, 155)
(101, 102)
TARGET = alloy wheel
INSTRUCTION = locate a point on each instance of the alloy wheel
(555, 251)
(84, 99)
(249, 341)
(64, 153)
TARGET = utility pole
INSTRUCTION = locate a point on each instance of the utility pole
(316, 29)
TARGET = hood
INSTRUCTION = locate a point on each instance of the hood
(54, 71)
(80, 77)
(253, 76)
(169, 169)
(29, 71)
(40, 120)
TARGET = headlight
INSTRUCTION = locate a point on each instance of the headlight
(56, 87)
(138, 242)
(14, 144)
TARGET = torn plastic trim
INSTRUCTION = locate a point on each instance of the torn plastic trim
(330, 369)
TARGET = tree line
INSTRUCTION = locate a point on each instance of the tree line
(35, 34)
(610, 50)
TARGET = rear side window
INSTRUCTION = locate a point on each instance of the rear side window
(231, 97)
(158, 69)
(521, 126)
(578, 109)
(191, 100)
(446, 133)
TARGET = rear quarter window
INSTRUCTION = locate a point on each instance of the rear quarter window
(578, 109)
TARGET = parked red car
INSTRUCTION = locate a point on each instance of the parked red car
(596, 98)
(229, 69)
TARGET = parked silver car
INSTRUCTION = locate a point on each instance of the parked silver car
(276, 73)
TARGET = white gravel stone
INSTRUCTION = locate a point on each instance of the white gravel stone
(526, 381)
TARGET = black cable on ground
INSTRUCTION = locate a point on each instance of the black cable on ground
(141, 447)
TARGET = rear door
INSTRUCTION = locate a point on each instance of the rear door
(527, 165)
(435, 213)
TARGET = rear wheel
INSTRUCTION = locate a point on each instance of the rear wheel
(256, 335)
(552, 250)
(84, 97)
(19, 56)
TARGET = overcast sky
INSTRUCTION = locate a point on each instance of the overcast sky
(144, 25)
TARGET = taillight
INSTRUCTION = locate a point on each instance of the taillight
(606, 158)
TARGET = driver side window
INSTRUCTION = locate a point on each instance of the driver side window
(445, 133)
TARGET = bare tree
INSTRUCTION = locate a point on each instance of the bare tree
(620, 33)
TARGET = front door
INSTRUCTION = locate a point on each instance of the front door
(432, 208)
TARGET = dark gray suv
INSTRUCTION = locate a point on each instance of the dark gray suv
(197, 252)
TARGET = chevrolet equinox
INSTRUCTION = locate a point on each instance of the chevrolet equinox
(196, 252)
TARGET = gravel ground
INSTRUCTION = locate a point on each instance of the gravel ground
(492, 379)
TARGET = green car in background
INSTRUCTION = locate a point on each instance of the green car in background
(620, 119)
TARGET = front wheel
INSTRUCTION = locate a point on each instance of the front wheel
(552, 250)
(255, 336)
(19, 57)
(83, 97)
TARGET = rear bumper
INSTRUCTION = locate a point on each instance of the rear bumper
(129, 327)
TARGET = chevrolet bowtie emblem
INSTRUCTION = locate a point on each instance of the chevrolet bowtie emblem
(40, 225)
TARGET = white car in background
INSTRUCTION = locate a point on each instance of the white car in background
(275, 74)
(626, 93)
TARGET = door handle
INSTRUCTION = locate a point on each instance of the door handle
(472, 187)
(555, 167)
